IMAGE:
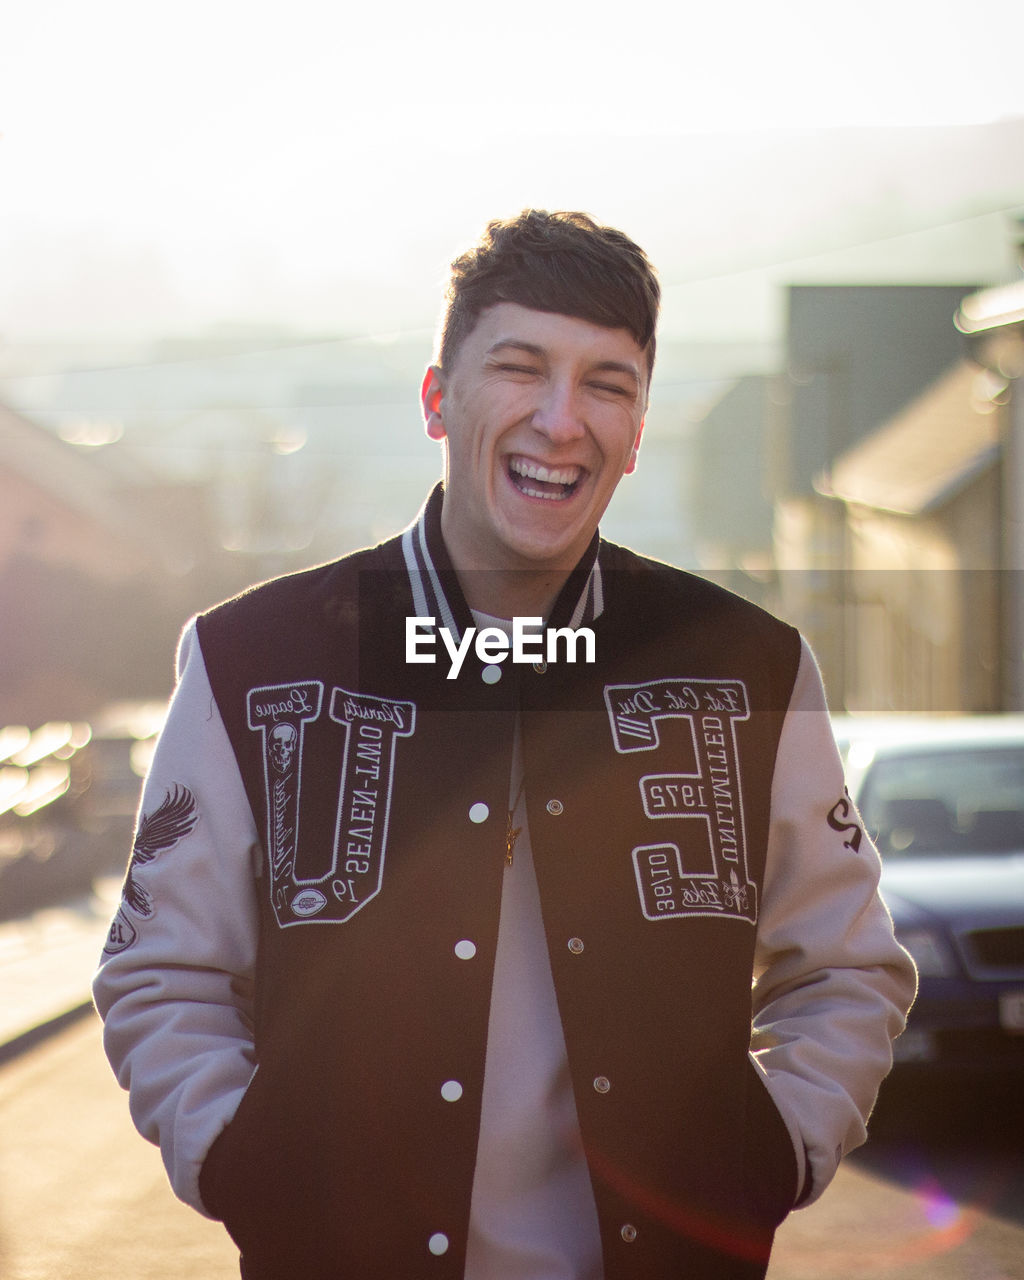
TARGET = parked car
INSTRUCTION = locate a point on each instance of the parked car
(943, 799)
(68, 796)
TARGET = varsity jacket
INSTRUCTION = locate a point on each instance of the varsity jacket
(297, 983)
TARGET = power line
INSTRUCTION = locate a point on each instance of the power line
(1017, 210)
(245, 353)
(394, 335)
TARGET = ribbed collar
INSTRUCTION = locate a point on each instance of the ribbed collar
(435, 585)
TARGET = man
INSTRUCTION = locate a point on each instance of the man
(460, 858)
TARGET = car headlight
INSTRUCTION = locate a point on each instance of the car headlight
(929, 952)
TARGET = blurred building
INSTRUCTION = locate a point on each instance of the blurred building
(730, 496)
(856, 355)
(928, 513)
(95, 556)
(920, 507)
(60, 508)
(876, 408)
(992, 322)
(140, 485)
(304, 449)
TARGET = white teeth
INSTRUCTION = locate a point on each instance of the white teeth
(533, 471)
(537, 493)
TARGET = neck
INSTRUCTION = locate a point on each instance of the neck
(508, 593)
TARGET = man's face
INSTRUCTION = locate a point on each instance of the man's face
(541, 414)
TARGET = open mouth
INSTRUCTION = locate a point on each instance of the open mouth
(554, 483)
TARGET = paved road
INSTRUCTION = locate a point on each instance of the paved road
(47, 959)
(937, 1194)
(82, 1197)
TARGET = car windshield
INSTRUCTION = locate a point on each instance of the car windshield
(932, 803)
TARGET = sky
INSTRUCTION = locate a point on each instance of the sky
(316, 165)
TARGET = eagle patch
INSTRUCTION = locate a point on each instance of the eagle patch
(172, 820)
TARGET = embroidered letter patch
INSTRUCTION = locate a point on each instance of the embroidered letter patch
(700, 868)
(842, 817)
(320, 874)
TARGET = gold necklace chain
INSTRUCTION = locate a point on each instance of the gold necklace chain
(513, 833)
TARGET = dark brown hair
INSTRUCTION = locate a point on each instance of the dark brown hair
(561, 262)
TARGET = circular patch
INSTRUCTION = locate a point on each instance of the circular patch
(308, 902)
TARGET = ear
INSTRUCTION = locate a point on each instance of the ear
(631, 464)
(431, 397)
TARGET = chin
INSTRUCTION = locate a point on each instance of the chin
(539, 554)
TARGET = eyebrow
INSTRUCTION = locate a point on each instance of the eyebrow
(616, 366)
(532, 349)
(514, 344)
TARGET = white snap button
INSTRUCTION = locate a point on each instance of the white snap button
(628, 1232)
(555, 807)
(438, 1244)
(451, 1091)
(540, 667)
(479, 812)
(602, 1084)
(491, 674)
(465, 949)
(576, 946)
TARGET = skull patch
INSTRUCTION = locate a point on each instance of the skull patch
(284, 739)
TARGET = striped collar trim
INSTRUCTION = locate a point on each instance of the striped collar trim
(435, 588)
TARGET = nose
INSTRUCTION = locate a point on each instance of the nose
(558, 415)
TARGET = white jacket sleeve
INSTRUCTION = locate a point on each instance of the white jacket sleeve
(832, 986)
(175, 982)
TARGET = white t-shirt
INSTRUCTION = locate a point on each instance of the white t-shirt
(533, 1215)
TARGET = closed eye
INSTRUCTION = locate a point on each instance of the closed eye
(613, 389)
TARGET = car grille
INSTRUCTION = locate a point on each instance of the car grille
(995, 953)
